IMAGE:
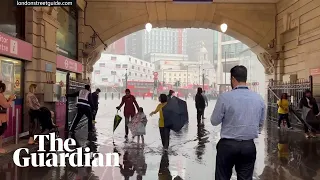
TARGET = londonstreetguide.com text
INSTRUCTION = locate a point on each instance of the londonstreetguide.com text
(60, 155)
(45, 2)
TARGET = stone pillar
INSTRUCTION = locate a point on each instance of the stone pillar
(81, 42)
(41, 28)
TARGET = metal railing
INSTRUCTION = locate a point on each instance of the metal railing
(295, 91)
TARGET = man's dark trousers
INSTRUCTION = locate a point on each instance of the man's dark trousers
(83, 110)
(95, 114)
(199, 115)
(241, 154)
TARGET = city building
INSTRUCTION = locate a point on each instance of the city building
(198, 37)
(159, 40)
(118, 47)
(198, 71)
(111, 70)
(154, 57)
(228, 57)
(256, 76)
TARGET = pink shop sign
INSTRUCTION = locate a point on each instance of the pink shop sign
(69, 64)
(14, 47)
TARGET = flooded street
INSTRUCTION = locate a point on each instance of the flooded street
(191, 154)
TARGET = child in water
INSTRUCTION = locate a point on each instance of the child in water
(138, 125)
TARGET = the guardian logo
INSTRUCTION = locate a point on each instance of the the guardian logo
(62, 154)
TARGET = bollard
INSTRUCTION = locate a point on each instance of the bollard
(112, 96)
(105, 96)
(119, 96)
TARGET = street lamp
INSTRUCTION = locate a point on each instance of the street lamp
(148, 27)
(224, 28)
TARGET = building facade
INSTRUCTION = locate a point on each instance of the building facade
(111, 70)
(118, 47)
(159, 40)
(198, 37)
(39, 46)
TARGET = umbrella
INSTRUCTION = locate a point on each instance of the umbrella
(116, 121)
(175, 114)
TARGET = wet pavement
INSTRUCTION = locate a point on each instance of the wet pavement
(191, 155)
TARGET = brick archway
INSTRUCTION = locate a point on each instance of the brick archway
(253, 24)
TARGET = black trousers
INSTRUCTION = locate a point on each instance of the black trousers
(165, 136)
(82, 110)
(241, 154)
(199, 115)
(95, 114)
(284, 117)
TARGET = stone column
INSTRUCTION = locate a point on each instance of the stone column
(81, 42)
(41, 28)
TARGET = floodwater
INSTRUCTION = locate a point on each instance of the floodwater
(191, 154)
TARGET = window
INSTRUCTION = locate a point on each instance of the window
(141, 63)
(104, 79)
(12, 19)
(140, 75)
(118, 66)
(102, 65)
(139, 68)
(144, 70)
(113, 58)
(135, 74)
(113, 72)
(129, 73)
(66, 35)
(124, 65)
(135, 61)
(129, 59)
(132, 67)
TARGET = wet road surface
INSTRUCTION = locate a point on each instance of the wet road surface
(191, 154)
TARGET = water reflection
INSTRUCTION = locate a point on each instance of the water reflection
(202, 140)
(127, 169)
(83, 173)
(164, 172)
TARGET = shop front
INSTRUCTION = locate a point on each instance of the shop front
(64, 65)
(13, 54)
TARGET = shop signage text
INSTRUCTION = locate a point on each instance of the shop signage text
(69, 64)
(315, 71)
(14, 47)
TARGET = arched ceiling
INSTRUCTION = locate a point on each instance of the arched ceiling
(253, 24)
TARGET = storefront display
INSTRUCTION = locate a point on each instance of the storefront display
(64, 65)
(11, 73)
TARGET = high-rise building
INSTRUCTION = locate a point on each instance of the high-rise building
(158, 40)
